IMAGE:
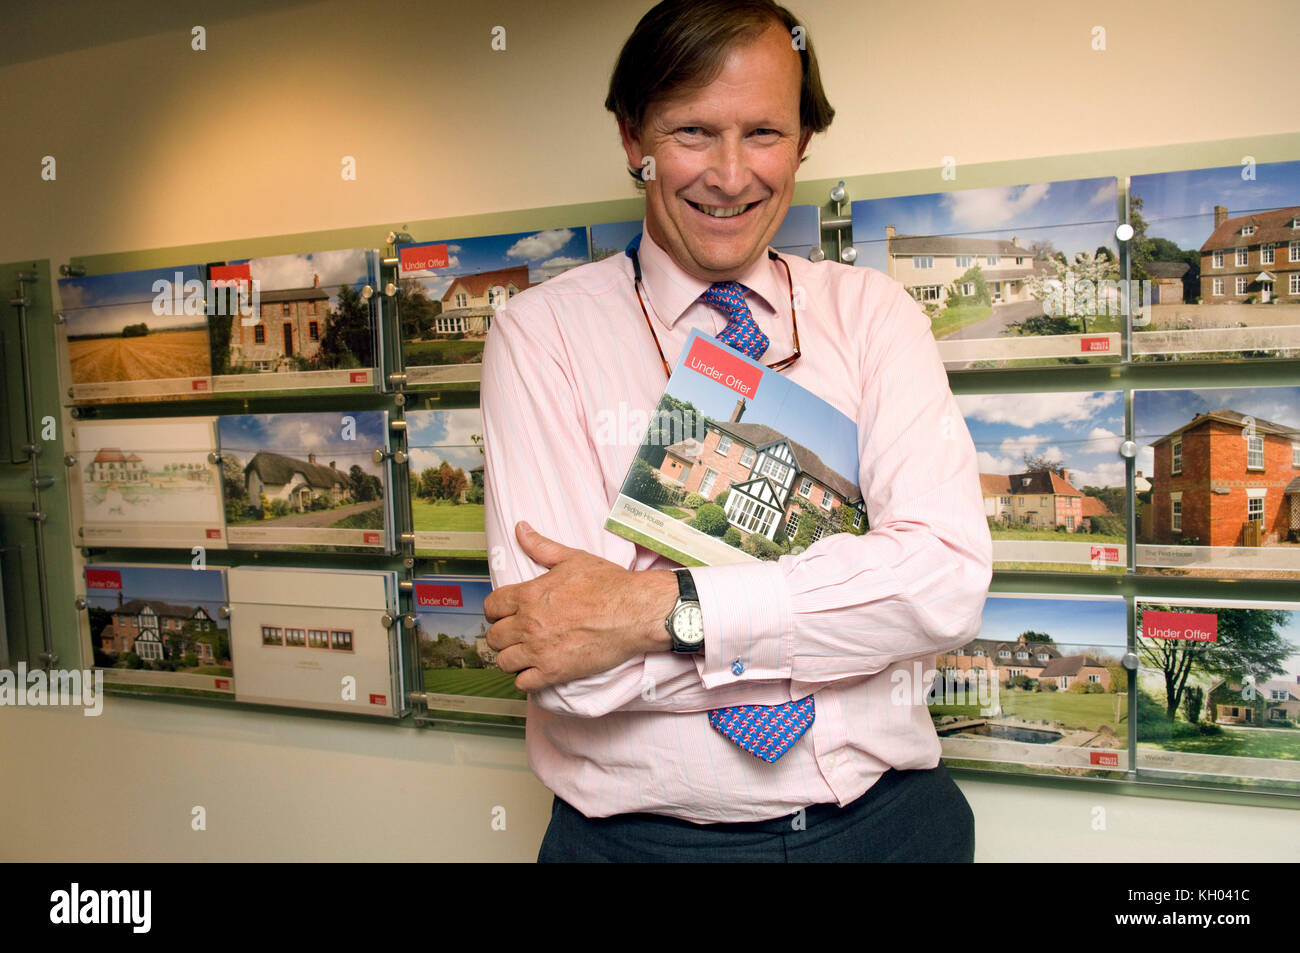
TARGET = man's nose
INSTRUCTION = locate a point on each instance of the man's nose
(728, 170)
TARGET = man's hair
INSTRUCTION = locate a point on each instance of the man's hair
(684, 43)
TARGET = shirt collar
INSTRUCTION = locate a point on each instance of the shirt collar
(672, 290)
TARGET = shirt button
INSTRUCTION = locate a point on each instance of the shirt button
(737, 667)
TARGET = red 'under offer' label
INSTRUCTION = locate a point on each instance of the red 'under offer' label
(1184, 626)
(228, 273)
(1108, 759)
(727, 369)
(431, 594)
(423, 257)
(103, 579)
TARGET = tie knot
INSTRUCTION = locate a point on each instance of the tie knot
(729, 296)
(742, 331)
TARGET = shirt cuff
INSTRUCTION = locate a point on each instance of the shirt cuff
(748, 628)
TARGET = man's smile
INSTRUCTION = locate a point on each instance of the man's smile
(722, 211)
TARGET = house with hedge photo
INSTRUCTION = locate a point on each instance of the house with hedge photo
(297, 482)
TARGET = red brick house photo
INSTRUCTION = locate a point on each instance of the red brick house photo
(1226, 479)
(147, 626)
(292, 322)
(1253, 257)
(771, 480)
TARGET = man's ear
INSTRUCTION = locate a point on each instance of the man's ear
(631, 145)
(804, 139)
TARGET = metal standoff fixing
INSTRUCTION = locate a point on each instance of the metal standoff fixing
(408, 621)
(223, 612)
(80, 603)
(69, 460)
(399, 457)
(367, 292)
(838, 193)
(379, 456)
(214, 457)
(396, 378)
(1130, 661)
(72, 271)
(387, 620)
(399, 238)
(397, 426)
(1128, 449)
(406, 538)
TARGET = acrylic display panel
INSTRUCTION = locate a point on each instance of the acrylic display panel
(799, 234)
(1218, 486)
(148, 483)
(137, 335)
(160, 628)
(982, 263)
(316, 639)
(1041, 689)
(306, 481)
(307, 321)
(447, 491)
(448, 291)
(458, 669)
(1219, 692)
(1220, 250)
(1054, 485)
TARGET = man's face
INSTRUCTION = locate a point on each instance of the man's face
(725, 156)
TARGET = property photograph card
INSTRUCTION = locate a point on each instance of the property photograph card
(1041, 689)
(1219, 691)
(458, 668)
(446, 460)
(316, 639)
(1218, 485)
(296, 322)
(306, 481)
(160, 628)
(738, 463)
(137, 335)
(148, 483)
(1054, 484)
(1014, 276)
(448, 291)
(1218, 251)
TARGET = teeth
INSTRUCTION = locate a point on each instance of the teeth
(719, 212)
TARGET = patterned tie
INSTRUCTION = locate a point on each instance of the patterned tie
(765, 731)
(742, 331)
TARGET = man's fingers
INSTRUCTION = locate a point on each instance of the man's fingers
(502, 602)
(503, 634)
(540, 549)
(513, 658)
(530, 680)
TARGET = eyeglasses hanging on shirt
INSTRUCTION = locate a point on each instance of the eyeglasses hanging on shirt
(631, 252)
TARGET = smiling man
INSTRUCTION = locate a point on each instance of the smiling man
(638, 674)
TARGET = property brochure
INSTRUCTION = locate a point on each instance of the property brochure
(306, 481)
(459, 670)
(1013, 276)
(738, 463)
(1218, 251)
(159, 628)
(148, 483)
(297, 322)
(137, 335)
(448, 291)
(446, 459)
(1219, 691)
(316, 639)
(1042, 689)
(1218, 486)
(1054, 484)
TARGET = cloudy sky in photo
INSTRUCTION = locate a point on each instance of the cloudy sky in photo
(1179, 206)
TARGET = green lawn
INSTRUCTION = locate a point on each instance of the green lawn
(951, 320)
(210, 670)
(644, 540)
(1001, 566)
(417, 353)
(366, 519)
(444, 517)
(1050, 535)
(1281, 745)
(675, 513)
(1074, 711)
(478, 682)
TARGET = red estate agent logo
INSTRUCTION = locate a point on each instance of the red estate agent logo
(359, 377)
(1104, 554)
(371, 539)
(103, 579)
(1092, 345)
(431, 594)
(378, 699)
(725, 367)
(1107, 759)
(1183, 626)
(423, 257)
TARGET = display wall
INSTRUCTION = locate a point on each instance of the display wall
(922, 182)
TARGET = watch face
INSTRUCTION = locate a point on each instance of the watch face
(688, 624)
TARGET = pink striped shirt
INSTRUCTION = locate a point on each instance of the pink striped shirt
(570, 377)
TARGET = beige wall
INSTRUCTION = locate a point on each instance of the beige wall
(157, 146)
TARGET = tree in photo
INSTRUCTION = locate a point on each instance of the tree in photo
(415, 309)
(1248, 648)
(364, 486)
(348, 339)
(1079, 289)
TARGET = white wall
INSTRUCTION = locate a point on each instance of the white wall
(157, 145)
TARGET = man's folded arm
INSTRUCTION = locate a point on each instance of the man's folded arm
(542, 465)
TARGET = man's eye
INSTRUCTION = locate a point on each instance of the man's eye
(690, 130)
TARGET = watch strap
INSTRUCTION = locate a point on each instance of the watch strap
(686, 586)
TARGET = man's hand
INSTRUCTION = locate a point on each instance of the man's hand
(584, 615)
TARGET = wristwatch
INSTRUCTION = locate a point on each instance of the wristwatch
(685, 623)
